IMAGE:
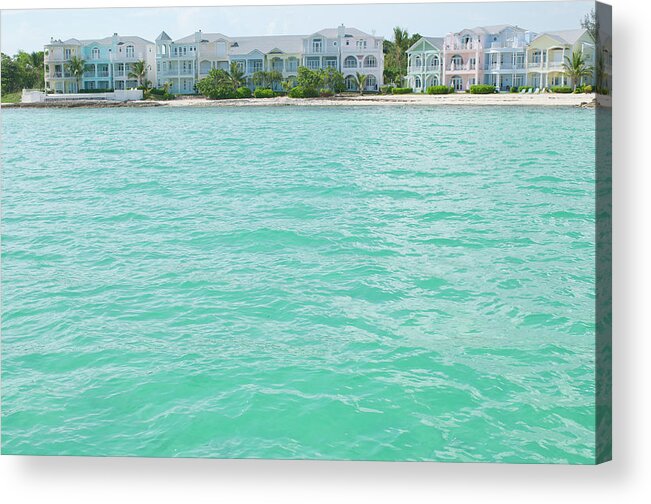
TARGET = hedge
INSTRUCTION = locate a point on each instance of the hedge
(263, 93)
(438, 90)
(561, 89)
(386, 89)
(243, 92)
(401, 90)
(302, 92)
(482, 89)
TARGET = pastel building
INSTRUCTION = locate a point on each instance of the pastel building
(546, 55)
(493, 55)
(183, 62)
(425, 63)
(108, 63)
(503, 56)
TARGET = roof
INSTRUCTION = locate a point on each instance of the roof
(492, 28)
(103, 41)
(289, 44)
(565, 36)
(163, 36)
(351, 32)
(435, 41)
(205, 37)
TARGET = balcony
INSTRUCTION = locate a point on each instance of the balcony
(103, 74)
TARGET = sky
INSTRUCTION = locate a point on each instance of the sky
(30, 30)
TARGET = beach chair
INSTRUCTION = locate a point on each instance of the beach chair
(522, 91)
(530, 90)
(537, 91)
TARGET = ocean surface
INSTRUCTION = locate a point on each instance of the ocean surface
(382, 283)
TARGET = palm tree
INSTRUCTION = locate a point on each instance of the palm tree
(75, 67)
(138, 71)
(575, 68)
(236, 75)
(288, 85)
(360, 80)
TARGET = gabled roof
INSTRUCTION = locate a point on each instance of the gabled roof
(163, 36)
(492, 29)
(437, 42)
(565, 36)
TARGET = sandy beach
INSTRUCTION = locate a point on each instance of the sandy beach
(573, 100)
(459, 99)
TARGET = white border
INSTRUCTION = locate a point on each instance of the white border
(70, 480)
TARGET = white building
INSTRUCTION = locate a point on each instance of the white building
(183, 62)
(107, 63)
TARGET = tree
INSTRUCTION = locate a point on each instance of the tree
(236, 75)
(395, 54)
(218, 84)
(591, 23)
(288, 84)
(309, 79)
(333, 80)
(75, 68)
(360, 81)
(138, 71)
(575, 68)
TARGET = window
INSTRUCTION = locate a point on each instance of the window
(130, 51)
(95, 53)
(417, 83)
(536, 57)
(361, 44)
(312, 63)
(457, 83)
(351, 83)
(457, 61)
(330, 62)
(68, 53)
(370, 62)
(434, 63)
(371, 83)
(350, 62)
(472, 63)
(317, 45)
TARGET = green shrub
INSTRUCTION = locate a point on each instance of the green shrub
(561, 89)
(603, 91)
(452, 90)
(301, 92)
(401, 90)
(514, 89)
(438, 90)
(325, 93)
(386, 89)
(482, 89)
(243, 92)
(587, 88)
(263, 93)
(156, 92)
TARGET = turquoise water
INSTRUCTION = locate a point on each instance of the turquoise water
(368, 283)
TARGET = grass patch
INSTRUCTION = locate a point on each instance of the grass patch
(11, 97)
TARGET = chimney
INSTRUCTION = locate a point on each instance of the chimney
(341, 31)
(197, 36)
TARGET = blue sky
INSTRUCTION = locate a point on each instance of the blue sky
(31, 29)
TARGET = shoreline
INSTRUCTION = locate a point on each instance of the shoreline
(580, 100)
